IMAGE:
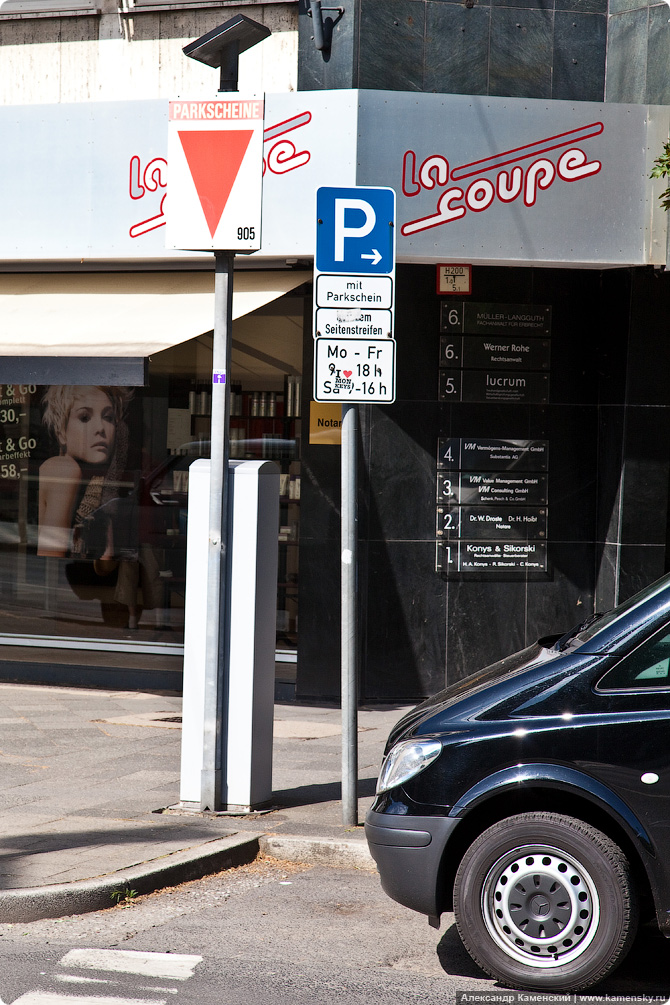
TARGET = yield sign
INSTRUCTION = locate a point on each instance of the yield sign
(215, 165)
(214, 159)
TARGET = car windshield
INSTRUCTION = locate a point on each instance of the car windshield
(585, 631)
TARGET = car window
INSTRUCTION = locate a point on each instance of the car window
(647, 667)
(595, 625)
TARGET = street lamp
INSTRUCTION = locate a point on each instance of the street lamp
(220, 48)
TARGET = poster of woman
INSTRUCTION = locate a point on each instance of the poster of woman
(88, 499)
(87, 422)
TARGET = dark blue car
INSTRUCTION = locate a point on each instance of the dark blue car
(533, 799)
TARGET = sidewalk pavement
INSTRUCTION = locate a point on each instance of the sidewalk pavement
(88, 779)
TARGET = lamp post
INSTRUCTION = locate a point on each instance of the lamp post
(220, 48)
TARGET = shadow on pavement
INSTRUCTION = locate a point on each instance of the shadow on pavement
(17, 850)
(322, 792)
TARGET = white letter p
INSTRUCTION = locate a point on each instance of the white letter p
(342, 232)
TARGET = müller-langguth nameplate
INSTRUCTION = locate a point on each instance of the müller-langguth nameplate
(495, 319)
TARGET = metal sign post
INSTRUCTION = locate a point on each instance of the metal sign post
(215, 151)
(212, 792)
(349, 619)
(354, 362)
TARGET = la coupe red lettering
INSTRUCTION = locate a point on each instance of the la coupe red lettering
(520, 172)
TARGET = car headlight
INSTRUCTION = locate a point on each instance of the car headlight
(405, 760)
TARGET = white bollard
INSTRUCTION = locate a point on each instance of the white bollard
(254, 489)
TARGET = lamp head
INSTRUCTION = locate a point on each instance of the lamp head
(239, 33)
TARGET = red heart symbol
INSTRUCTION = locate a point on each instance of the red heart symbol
(347, 373)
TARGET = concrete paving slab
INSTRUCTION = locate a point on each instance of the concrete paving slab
(84, 778)
(154, 720)
(299, 729)
(60, 899)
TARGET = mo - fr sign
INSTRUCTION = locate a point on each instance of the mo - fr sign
(215, 157)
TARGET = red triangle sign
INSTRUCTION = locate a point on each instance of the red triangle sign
(214, 158)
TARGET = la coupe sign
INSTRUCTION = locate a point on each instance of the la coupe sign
(521, 172)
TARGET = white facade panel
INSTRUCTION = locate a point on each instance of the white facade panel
(483, 180)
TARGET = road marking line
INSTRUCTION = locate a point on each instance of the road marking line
(72, 979)
(166, 965)
(49, 998)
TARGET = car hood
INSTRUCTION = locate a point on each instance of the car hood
(511, 666)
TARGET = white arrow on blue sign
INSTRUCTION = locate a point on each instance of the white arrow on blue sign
(355, 230)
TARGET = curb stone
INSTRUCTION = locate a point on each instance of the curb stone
(62, 899)
(342, 854)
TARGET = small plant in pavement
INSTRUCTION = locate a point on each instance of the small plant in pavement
(123, 898)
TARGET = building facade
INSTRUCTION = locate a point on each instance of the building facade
(602, 414)
(520, 478)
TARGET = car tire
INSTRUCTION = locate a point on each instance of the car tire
(545, 902)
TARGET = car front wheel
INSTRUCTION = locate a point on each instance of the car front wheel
(545, 902)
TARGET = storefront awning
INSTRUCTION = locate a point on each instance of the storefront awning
(117, 315)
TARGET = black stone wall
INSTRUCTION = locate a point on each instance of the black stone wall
(576, 50)
(638, 52)
(511, 48)
(608, 426)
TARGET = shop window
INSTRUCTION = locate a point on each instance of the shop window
(94, 492)
(85, 549)
(265, 425)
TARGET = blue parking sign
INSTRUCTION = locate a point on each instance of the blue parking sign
(355, 230)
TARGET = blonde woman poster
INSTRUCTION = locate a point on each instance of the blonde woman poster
(88, 508)
(87, 422)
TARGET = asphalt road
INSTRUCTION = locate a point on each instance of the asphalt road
(265, 934)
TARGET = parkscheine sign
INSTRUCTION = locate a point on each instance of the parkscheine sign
(215, 156)
(498, 180)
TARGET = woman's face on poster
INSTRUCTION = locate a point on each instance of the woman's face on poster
(90, 429)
